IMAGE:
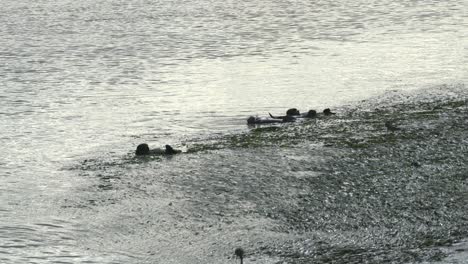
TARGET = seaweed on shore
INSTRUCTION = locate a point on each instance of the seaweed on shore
(387, 196)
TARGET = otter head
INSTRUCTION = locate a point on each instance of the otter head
(251, 120)
(311, 114)
(170, 150)
(327, 111)
(142, 149)
(292, 111)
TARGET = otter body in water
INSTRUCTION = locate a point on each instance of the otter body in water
(257, 120)
(309, 114)
(143, 149)
(290, 113)
(328, 112)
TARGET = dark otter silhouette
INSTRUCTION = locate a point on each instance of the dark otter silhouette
(294, 113)
(328, 112)
(143, 149)
(310, 114)
(291, 112)
(289, 117)
(171, 151)
(286, 118)
(240, 254)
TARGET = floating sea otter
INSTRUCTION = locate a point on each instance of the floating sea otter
(289, 117)
(296, 114)
(292, 112)
(328, 112)
(143, 149)
(258, 120)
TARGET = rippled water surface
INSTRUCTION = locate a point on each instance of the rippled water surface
(83, 82)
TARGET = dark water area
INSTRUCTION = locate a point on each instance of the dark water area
(338, 189)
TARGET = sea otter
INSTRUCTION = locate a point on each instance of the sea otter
(328, 112)
(294, 113)
(257, 120)
(310, 114)
(143, 149)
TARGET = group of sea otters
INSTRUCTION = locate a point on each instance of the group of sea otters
(292, 115)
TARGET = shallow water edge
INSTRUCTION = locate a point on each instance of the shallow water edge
(344, 189)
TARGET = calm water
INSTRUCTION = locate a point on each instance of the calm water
(84, 80)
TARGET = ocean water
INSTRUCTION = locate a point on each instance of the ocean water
(83, 82)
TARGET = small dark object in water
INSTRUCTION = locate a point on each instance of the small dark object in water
(240, 254)
(327, 112)
(391, 127)
(171, 151)
(276, 119)
(292, 112)
(415, 164)
(310, 114)
(142, 149)
(289, 113)
(291, 117)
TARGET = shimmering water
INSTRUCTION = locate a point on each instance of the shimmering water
(83, 82)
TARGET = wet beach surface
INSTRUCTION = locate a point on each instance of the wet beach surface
(339, 189)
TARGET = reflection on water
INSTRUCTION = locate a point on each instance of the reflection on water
(51, 242)
(93, 79)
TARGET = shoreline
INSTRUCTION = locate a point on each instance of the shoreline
(342, 188)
